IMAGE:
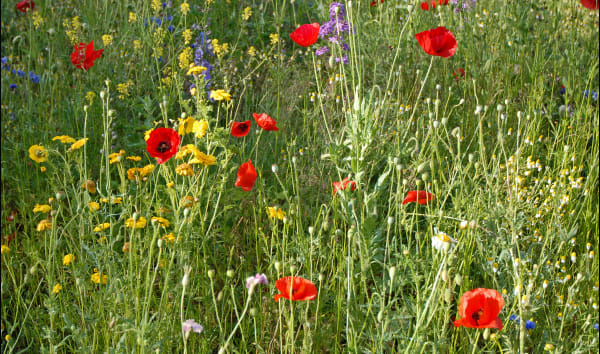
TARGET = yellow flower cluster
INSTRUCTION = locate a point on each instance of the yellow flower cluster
(184, 170)
(99, 278)
(90, 186)
(132, 17)
(187, 36)
(123, 89)
(65, 139)
(140, 223)
(137, 173)
(102, 227)
(204, 159)
(73, 29)
(68, 259)
(275, 213)
(220, 95)
(37, 19)
(185, 8)
(185, 58)
(115, 157)
(107, 39)
(44, 208)
(162, 222)
(78, 144)
(190, 125)
(44, 225)
(219, 49)
(247, 13)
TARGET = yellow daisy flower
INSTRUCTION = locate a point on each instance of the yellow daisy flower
(139, 224)
(44, 208)
(102, 227)
(78, 144)
(161, 221)
(68, 259)
(38, 153)
(184, 170)
(65, 139)
(220, 95)
(44, 225)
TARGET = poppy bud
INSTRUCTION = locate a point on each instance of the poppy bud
(274, 168)
(60, 195)
(321, 277)
(293, 269)
(471, 157)
(438, 87)
(331, 61)
(406, 252)
(161, 243)
(390, 220)
(230, 273)
(211, 273)
(325, 226)
(85, 108)
(277, 266)
(486, 334)
(102, 94)
(253, 312)
(425, 177)
(445, 275)
(500, 108)
(458, 280)
(338, 232)
(78, 282)
(51, 31)
(392, 273)
(33, 269)
(444, 121)
(183, 115)
(436, 124)
(464, 224)
(448, 297)
(220, 296)
(186, 212)
(380, 316)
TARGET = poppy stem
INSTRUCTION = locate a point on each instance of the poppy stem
(224, 347)
(414, 109)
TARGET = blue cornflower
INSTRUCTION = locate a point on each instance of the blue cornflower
(171, 28)
(513, 318)
(596, 326)
(530, 324)
(12, 86)
(34, 78)
(169, 18)
(21, 73)
(586, 93)
(562, 90)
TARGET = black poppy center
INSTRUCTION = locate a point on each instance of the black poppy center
(243, 126)
(163, 146)
(476, 316)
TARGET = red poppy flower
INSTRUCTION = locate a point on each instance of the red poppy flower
(438, 41)
(265, 122)
(425, 5)
(295, 289)
(459, 73)
(163, 144)
(25, 5)
(83, 55)
(240, 129)
(421, 197)
(246, 176)
(590, 4)
(374, 2)
(341, 185)
(442, 2)
(306, 35)
(479, 308)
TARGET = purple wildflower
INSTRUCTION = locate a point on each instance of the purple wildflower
(251, 282)
(336, 7)
(191, 325)
(321, 51)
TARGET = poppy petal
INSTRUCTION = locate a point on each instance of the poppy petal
(306, 35)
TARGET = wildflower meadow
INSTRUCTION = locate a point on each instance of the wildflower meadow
(299, 176)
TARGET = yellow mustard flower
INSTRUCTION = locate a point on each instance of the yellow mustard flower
(90, 186)
(5, 249)
(99, 278)
(43, 208)
(107, 39)
(139, 224)
(204, 159)
(90, 95)
(170, 237)
(68, 259)
(200, 128)
(65, 139)
(134, 158)
(193, 91)
(38, 153)
(160, 221)
(57, 288)
(44, 225)
(185, 57)
(247, 13)
(132, 17)
(185, 8)
(252, 51)
(116, 200)
(102, 227)
(274, 37)
(275, 213)
(184, 170)
(187, 36)
(220, 95)
(195, 70)
(78, 144)
(94, 206)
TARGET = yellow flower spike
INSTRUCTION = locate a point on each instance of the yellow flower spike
(99, 278)
(147, 134)
(170, 237)
(57, 288)
(134, 158)
(38, 153)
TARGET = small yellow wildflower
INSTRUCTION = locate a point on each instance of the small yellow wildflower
(184, 170)
(204, 159)
(102, 227)
(139, 224)
(90, 97)
(185, 58)
(126, 246)
(68, 259)
(170, 184)
(115, 156)
(193, 91)
(185, 8)
(200, 128)
(170, 237)
(274, 37)
(38, 20)
(247, 13)
(132, 17)
(43, 208)
(44, 225)
(5, 249)
(78, 144)
(186, 126)
(219, 49)
(252, 51)
(186, 150)
(195, 70)
(147, 134)
(187, 36)
(65, 139)
(94, 206)
(137, 44)
(139, 173)
(275, 213)
(43, 169)
(107, 39)
(57, 288)
(99, 278)
(7, 337)
(160, 221)
(38, 153)
(134, 158)
(116, 200)
(219, 95)
(90, 186)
